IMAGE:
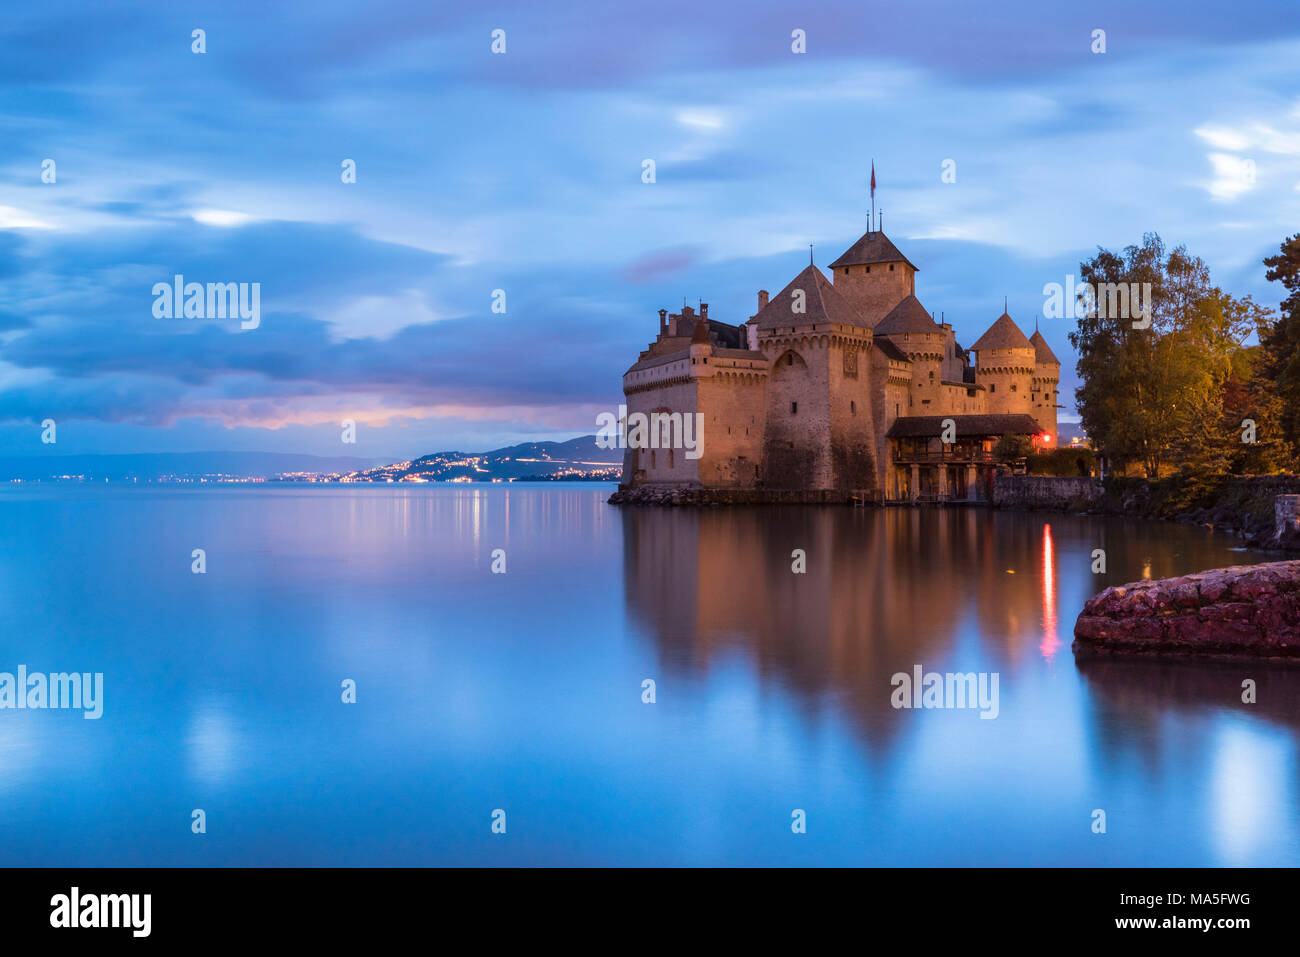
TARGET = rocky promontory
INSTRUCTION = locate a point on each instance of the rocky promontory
(1243, 611)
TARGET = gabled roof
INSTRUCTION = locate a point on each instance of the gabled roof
(890, 350)
(1003, 334)
(908, 316)
(873, 247)
(1042, 351)
(701, 333)
(968, 426)
(821, 304)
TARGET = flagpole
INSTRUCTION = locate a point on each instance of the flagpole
(872, 228)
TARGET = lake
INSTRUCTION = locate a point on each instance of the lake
(522, 691)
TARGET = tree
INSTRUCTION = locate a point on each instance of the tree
(1012, 448)
(1154, 395)
(1279, 361)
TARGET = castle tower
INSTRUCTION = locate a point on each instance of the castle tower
(819, 414)
(1043, 389)
(873, 276)
(925, 344)
(1005, 362)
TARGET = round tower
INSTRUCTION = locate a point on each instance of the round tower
(1005, 365)
(913, 330)
(1043, 389)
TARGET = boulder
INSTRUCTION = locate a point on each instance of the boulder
(1244, 611)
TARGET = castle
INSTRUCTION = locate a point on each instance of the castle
(841, 389)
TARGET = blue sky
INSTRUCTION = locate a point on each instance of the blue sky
(522, 172)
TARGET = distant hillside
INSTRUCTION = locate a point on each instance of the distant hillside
(1068, 430)
(164, 466)
(576, 459)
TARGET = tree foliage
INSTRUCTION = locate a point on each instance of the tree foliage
(1177, 392)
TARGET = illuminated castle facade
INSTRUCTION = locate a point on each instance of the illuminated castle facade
(845, 386)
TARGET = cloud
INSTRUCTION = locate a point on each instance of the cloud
(1233, 175)
(12, 218)
(660, 264)
(522, 172)
(222, 217)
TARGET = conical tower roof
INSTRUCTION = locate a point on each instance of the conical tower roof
(908, 316)
(1003, 334)
(1042, 351)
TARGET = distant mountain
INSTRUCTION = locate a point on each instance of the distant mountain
(575, 460)
(164, 466)
(1068, 430)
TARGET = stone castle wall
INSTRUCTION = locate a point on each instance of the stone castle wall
(734, 403)
(796, 450)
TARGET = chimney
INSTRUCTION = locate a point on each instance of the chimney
(663, 321)
(704, 310)
(762, 299)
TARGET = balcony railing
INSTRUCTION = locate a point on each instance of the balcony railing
(952, 457)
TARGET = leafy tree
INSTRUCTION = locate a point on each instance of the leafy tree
(1155, 396)
(1012, 448)
(1279, 365)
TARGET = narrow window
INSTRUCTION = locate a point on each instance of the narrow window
(853, 408)
(789, 359)
(794, 408)
(891, 267)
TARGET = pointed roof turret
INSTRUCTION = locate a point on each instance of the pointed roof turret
(821, 303)
(701, 334)
(1003, 334)
(873, 247)
(908, 316)
(1042, 351)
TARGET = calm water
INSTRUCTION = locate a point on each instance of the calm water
(522, 691)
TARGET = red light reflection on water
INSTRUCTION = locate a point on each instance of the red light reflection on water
(1050, 641)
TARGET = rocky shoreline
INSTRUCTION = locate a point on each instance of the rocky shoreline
(1244, 506)
(1245, 611)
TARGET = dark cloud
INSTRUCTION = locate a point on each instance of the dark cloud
(660, 264)
(111, 359)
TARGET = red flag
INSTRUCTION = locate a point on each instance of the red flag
(873, 179)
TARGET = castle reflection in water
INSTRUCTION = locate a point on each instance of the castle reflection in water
(883, 590)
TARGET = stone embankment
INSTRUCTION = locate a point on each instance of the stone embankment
(694, 495)
(1069, 493)
(1243, 611)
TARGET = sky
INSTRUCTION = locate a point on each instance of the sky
(522, 172)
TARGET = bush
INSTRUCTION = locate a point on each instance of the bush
(1064, 462)
(1012, 448)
